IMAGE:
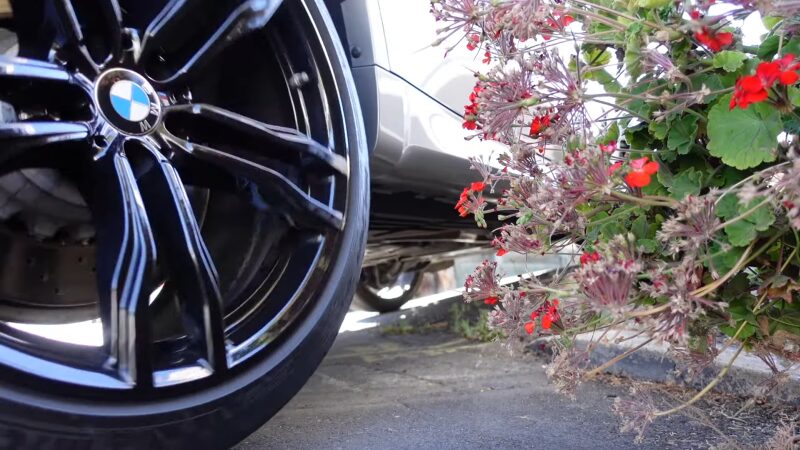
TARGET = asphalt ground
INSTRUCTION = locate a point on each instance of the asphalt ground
(428, 388)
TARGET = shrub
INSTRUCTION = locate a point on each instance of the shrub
(647, 140)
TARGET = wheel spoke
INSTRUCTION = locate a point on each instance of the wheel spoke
(11, 67)
(288, 144)
(71, 39)
(249, 16)
(112, 15)
(166, 26)
(301, 209)
(126, 256)
(16, 138)
(188, 263)
(30, 143)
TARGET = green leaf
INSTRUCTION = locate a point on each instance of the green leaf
(596, 56)
(770, 21)
(762, 218)
(794, 95)
(721, 261)
(658, 128)
(743, 138)
(638, 137)
(687, 182)
(713, 82)
(740, 233)
(639, 227)
(728, 207)
(633, 57)
(652, 4)
(647, 245)
(729, 60)
(611, 135)
(793, 46)
(682, 134)
(769, 47)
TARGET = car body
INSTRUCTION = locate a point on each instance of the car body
(412, 98)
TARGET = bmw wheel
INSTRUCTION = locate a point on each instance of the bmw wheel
(188, 181)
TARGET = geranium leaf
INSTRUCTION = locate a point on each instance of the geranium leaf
(768, 48)
(682, 134)
(740, 233)
(658, 129)
(762, 218)
(728, 207)
(687, 182)
(729, 60)
(743, 138)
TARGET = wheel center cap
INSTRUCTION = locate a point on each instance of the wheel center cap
(127, 101)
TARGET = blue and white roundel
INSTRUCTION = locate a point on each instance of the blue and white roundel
(130, 101)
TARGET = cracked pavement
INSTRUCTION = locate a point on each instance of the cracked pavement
(437, 390)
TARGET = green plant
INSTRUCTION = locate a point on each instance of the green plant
(646, 139)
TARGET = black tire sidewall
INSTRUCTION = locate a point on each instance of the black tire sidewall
(223, 415)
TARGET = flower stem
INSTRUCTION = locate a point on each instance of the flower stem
(709, 386)
(590, 374)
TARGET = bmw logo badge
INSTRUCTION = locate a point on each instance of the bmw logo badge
(127, 101)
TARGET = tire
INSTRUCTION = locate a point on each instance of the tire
(368, 298)
(217, 413)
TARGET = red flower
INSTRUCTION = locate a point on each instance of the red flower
(471, 110)
(789, 68)
(539, 124)
(715, 41)
(753, 88)
(611, 147)
(642, 171)
(491, 300)
(588, 257)
(478, 186)
(529, 327)
(487, 57)
(462, 200)
(614, 167)
(547, 321)
(783, 70)
(551, 315)
(502, 252)
(472, 42)
(749, 89)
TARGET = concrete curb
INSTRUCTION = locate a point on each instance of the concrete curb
(749, 375)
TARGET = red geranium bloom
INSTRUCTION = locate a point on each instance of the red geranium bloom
(789, 68)
(478, 186)
(588, 257)
(539, 124)
(611, 147)
(715, 41)
(502, 252)
(614, 167)
(530, 326)
(491, 300)
(472, 42)
(487, 57)
(471, 110)
(783, 70)
(641, 173)
(749, 89)
(753, 88)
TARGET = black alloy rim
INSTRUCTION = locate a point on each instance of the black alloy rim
(172, 315)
